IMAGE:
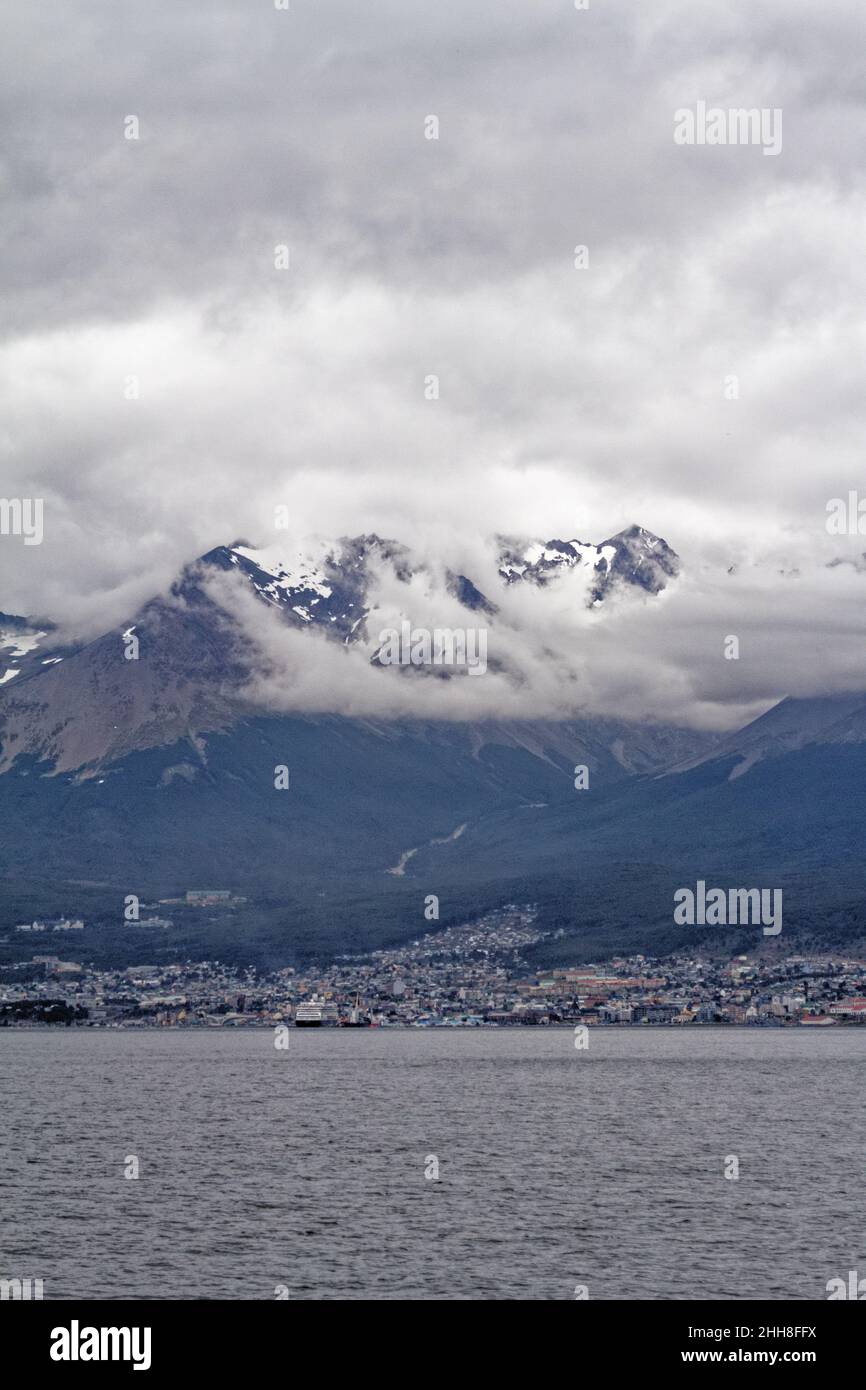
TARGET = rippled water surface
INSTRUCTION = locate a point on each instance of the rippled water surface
(306, 1168)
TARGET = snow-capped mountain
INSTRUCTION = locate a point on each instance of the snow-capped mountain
(332, 590)
(84, 707)
(632, 557)
(327, 591)
(157, 774)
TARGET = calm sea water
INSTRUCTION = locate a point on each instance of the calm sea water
(306, 1168)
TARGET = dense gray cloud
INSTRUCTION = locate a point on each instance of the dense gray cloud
(549, 655)
(571, 402)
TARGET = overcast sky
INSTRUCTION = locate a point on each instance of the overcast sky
(571, 401)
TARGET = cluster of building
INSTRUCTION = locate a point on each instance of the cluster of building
(471, 975)
(194, 898)
(205, 897)
(52, 924)
(683, 989)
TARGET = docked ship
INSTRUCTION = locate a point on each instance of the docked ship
(310, 1013)
(355, 1018)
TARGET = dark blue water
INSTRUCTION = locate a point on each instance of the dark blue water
(306, 1168)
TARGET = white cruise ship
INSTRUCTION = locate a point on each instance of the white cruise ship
(310, 1013)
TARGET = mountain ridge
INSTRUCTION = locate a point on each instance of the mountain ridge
(82, 705)
(157, 775)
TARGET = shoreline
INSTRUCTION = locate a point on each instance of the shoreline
(428, 1028)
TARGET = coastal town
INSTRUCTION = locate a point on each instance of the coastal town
(474, 975)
